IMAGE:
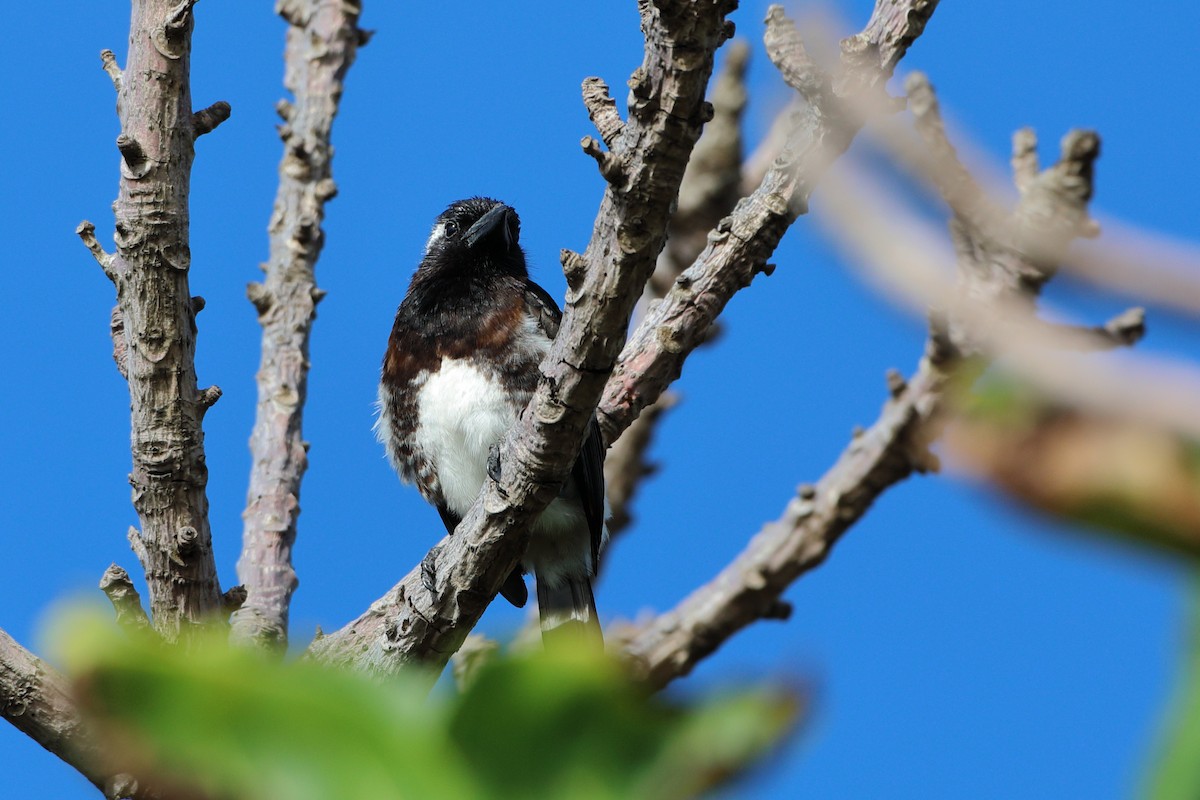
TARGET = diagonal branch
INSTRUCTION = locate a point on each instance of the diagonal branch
(158, 318)
(35, 698)
(427, 619)
(322, 41)
(738, 248)
(1053, 210)
(749, 588)
(708, 192)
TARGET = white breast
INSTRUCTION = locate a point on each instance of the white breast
(463, 412)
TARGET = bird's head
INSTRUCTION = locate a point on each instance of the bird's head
(475, 238)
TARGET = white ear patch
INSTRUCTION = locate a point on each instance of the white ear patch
(435, 234)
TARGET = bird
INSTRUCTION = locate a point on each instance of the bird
(462, 361)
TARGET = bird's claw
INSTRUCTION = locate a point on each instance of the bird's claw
(429, 571)
(493, 463)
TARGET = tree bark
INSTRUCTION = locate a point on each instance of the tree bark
(426, 617)
(322, 40)
(158, 314)
(36, 700)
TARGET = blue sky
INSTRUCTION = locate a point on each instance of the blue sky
(955, 646)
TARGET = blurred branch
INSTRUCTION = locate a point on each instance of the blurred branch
(739, 246)
(1137, 263)
(991, 308)
(1124, 477)
(156, 314)
(1053, 208)
(322, 40)
(426, 616)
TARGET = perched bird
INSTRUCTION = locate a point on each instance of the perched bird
(461, 364)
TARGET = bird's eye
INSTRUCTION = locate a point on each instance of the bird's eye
(450, 229)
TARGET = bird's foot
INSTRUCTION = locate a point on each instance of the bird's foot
(493, 464)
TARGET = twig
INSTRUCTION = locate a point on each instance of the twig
(322, 41)
(206, 120)
(125, 600)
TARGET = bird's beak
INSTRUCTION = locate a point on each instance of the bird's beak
(497, 217)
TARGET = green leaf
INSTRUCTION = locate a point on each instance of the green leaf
(232, 723)
(1176, 773)
(568, 725)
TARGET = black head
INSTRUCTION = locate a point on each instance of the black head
(474, 239)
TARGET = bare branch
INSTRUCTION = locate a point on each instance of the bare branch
(602, 110)
(1025, 166)
(738, 248)
(36, 700)
(87, 232)
(786, 50)
(708, 192)
(322, 41)
(109, 62)
(125, 600)
(749, 588)
(207, 119)
(612, 168)
(157, 319)
(426, 617)
(1124, 330)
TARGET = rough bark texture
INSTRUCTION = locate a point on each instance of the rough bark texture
(738, 248)
(322, 40)
(708, 191)
(1051, 211)
(126, 602)
(158, 314)
(643, 167)
(36, 700)
(749, 588)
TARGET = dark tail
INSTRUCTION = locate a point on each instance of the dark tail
(568, 613)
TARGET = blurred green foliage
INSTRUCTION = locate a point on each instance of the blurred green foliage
(232, 723)
(1175, 774)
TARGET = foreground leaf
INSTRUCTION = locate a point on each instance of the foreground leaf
(234, 724)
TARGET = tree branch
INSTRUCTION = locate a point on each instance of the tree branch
(667, 109)
(749, 588)
(1052, 205)
(157, 318)
(322, 41)
(36, 700)
(125, 600)
(738, 248)
(708, 191)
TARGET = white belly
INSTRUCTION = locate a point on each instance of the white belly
(463, 412)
